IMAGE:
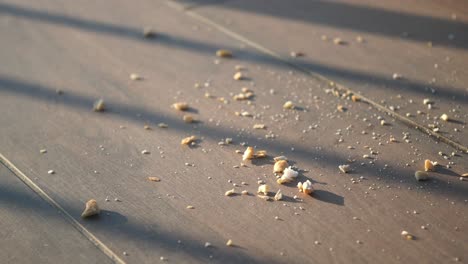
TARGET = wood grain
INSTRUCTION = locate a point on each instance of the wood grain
(89, 53)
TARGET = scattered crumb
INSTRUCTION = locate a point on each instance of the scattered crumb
(429, 165)
(91, 209)
(280, 166)
(222, 53)
(407, 235)
(230, 192)
(263, 189)
(238, 76)
(278, 196)
(355, 98)
(99, 106)
(188, 119)
(288, 175)
(296, 54)
(188, 140)
(154, 179)
(181, 106)
(344, 168)
(305, 187)
(445, 117)
(260, 154)
(288, 105)
(248, 154)
(135, 77)
(427, 101)
(397, 76)
(339, 41)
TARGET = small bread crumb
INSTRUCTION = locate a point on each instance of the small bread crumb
(238, 76)
(288, 105)
(278, 196)
(222, 53)
(305, 187)
(279, 166)
(188, 140)
(248, 154)
(99, 106)
(230, 192)
(263, 189)
(181, 106)
(154, 179)
(428, 165)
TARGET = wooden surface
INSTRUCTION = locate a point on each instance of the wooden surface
(88, 52)
(33, 232)
(395, 39)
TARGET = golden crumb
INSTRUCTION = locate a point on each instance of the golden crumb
(288, 105)
(355, 98)
(305, 187)
(279, 166)
(222, 53)
(248, 154)
(278, 196)
(188, 140)
(181, 106)
(230, 192)
(188, 119)
(154, 179)
(428, 165)
(91, 209)
(263, 189)
(135, 77)
(99, 106)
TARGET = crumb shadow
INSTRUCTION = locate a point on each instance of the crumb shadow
(289, 199)
(192, 110)
(262, 161)
(459, 122)
(107, 218)
(445, 171)
(328, 197)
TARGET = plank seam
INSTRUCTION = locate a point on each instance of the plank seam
(406, 121)
(41, 193)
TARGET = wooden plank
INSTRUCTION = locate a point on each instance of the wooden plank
(90, 54)
(395, 37)
(33, 232)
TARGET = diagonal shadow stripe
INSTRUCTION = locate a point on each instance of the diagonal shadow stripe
(382, 82)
